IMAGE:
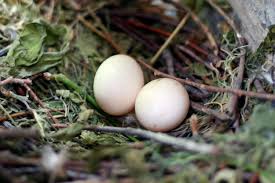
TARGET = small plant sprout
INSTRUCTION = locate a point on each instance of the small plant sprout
(117, 83)
(162, 105)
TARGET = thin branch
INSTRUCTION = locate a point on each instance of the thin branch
(169, 59)
(197, 20)
(49, 14)
(141, 25)
(233, 101)
(238, 92)
(19, 133)
(197, 58)
(228, 20)
(15, 115)
(37, 99)
(158, 137)
(108, 38)
(258, 86)
(152, 46)
(170, 38)
(221, 116)
(12, 80)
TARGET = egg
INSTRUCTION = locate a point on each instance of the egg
(162, 105)
(117, 83)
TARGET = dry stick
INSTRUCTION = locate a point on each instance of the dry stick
(15, 115)
(156, 136)
(159, 137)
(237, 92)
(221, 116)
(49, 15)
(167, 55)
(105, 30)
(12, 80)
(259, 86)
(233, 102)
(224, 15)
(19, 133)
(196, 47)
(99, 33)
(197, 58)
(37, 99)
(197, 20)
(138, 24)
(135, 34)
(170, 38)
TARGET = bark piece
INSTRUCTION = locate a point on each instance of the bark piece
(256, 16)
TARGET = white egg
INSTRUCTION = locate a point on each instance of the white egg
(162, 105)
(117, 83)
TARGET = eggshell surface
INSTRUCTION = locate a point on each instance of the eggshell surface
(162, 105)
(117, 83)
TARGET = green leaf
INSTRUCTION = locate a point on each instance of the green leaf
(39, 47)
(92, 138)
(267, 177)
(69, 132)
(30, 43)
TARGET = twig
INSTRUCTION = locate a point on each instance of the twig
(224, 15)
(135, 34)
(238, 92)
(213, 58)
(221, 116)
(197, 58)
(194, 125)
(233, 101)
(37, 99)
(197, 20)
(146, 27)
(259, 86)
(108, 38)
(19, 133)
(196, 47)
(170, 38)
(140, 15)
(12, 80)
(158, 137)
(181, 56)
(6, 112)
(11, 94)
(196, 93)
(8, 158)
(15, 115)
(168, 57)
(51, 10)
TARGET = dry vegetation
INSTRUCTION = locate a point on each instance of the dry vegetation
(52, 130)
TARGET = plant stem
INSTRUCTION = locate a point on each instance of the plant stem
(238, 92)
(73, 86)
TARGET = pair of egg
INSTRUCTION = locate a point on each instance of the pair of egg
(160, 105)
